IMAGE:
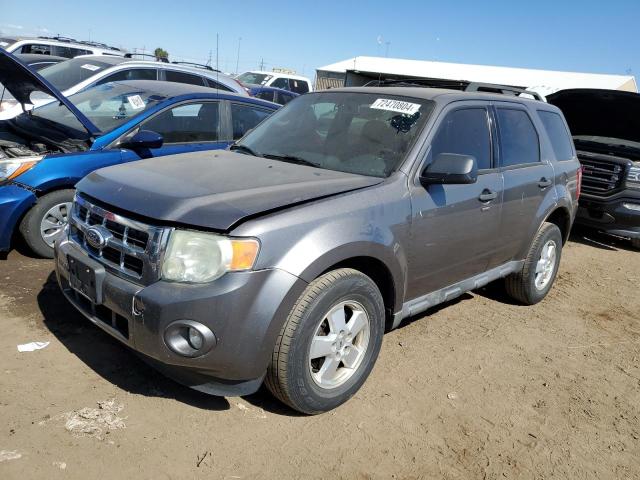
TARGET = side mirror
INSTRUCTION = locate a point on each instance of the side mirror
(450, 168)
(142, 140)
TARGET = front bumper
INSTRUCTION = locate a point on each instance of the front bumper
(612, 215)
(245, 310)
(14, 202)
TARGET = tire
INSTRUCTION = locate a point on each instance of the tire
(42, 215)
(635, 243)
(298, 380)
(522, 285)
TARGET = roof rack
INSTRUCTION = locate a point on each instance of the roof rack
(419, 82)
(503, 89)
(81, 42)
(197, 65)
(157, 59)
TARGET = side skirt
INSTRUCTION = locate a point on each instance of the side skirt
(420, 304)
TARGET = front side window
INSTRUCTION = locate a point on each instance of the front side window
(284, 98)
(181, 77)
(465, 132)
(190, 123)
(246, 117)
(38, 48)
(519, 142)
(558, 135)
(130, 74)
(218, 85)
(267, 95)
(356, 132)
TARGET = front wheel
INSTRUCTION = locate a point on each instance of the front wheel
(635, 243)
(533, 282)
(44, 223)
(329, 343)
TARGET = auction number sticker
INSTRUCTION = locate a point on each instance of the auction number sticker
(136, 102)
(88, 66)
(396, 106)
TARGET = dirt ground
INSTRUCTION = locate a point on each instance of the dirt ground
(477, 389)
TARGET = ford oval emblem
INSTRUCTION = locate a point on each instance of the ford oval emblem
(97, 236)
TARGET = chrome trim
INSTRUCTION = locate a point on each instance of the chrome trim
(151, 255)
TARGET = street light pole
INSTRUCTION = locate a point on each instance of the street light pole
(238, 57)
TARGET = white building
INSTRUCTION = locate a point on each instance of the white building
(358, 71)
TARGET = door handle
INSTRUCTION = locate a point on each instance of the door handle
(487, 195)
(544, 183)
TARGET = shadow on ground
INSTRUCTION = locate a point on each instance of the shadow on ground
(109, 358)
(597, 239)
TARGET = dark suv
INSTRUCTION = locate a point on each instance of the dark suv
(285, 260)
(606, 129)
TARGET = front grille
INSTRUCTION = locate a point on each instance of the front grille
(132, 249)
(600, 176)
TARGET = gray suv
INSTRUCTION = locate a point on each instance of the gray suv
(284, 260)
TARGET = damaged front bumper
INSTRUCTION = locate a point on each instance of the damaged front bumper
(244, 310)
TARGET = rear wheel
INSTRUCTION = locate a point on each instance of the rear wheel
(533, 282)
(329, 343)
(44, 223)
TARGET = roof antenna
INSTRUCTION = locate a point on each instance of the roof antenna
(217, 64)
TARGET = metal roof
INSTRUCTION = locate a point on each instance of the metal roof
(544, 82)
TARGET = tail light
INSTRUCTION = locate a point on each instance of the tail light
(579, 185)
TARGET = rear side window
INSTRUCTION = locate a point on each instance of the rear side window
(68, 52)
(133, 74)
(181, 77)
(557, 131)
(283, 98)
(519, 142)
(298, 86)
(194, 122)
(246, 117)
(465, 132)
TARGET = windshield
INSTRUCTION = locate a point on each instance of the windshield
(107, 106)
(362, 133)
(254, 78)
(66, 74)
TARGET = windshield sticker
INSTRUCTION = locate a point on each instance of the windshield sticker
(88, 66)
(395, 106)
(136, 102)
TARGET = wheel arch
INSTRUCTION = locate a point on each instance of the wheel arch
(560, 217)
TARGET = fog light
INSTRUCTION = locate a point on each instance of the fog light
(195, 338)
(632, 206)
(189, 338)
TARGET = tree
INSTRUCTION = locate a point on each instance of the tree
(161, 53)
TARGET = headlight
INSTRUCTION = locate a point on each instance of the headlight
(10, 168)
(633, 177)
(197, 257)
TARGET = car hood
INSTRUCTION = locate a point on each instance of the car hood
(600, 113)
(216, 189)
(21, 82)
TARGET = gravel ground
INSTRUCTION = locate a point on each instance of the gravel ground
(479, 388)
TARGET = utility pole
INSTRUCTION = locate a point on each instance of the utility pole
(238, 57)
(262, 64)
(209, 60)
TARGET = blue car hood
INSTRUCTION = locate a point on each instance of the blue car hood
(21, 82)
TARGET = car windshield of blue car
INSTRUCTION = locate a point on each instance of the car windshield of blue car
(356, 132)
(107, 106)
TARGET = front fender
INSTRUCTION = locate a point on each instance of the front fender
(15, 201)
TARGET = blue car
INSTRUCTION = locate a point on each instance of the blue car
(271, 94)
(45, 151)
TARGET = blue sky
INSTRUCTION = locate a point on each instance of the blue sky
(569, 35)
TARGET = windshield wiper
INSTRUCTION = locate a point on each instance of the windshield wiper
(290, 159)
(244, 149)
